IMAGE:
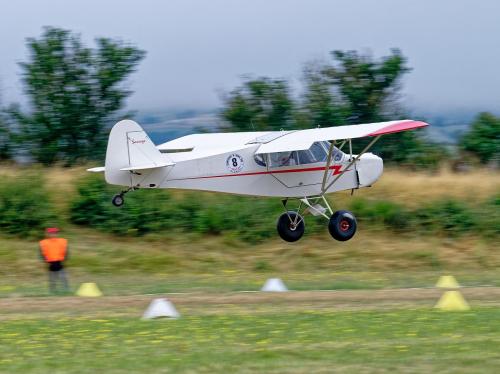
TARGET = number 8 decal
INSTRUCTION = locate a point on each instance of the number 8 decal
(234, 163)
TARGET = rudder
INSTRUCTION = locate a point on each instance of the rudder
(129, 149)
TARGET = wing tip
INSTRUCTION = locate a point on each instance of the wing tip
(400, 126)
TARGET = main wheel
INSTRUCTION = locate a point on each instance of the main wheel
(287, 229)
(342, 225)
(118, 200)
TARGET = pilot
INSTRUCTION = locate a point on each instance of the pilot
(286, 159)
(54, 251)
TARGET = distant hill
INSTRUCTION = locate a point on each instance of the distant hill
(163, 126)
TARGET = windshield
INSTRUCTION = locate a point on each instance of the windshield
(316, 153)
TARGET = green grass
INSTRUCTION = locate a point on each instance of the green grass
(417, 340)
(234, 281)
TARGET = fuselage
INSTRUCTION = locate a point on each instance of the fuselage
(234, 163)
(241, 171)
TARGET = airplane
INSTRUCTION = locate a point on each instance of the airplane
(301, 166)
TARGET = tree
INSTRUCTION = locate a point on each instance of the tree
(483, 138)
(358, 89)
(75, 92)
(354, 89)
(6, 136)
(5, 139)
(320, 104)
(260, 104)
(365, 86)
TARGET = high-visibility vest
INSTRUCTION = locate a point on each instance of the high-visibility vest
(54, 249)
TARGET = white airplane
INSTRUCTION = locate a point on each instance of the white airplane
(300, 165)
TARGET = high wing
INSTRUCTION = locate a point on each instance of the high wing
(303, 139)
(196, 146)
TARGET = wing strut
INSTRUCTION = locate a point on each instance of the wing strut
(323, 189)
(328, 162)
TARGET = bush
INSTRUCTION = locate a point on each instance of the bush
(141, 214)
(446, 216)
(382, 212)
(25, 208)
(251, 219)
(488, 217)
(483, 140)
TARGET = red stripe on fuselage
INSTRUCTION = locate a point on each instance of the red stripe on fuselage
(336, 171)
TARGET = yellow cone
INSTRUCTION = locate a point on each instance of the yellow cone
(88, 290)
(452, 301)
(447, 281)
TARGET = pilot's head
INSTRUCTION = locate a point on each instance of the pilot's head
(285, 158)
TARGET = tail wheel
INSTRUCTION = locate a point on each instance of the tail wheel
(118, 200)
(342, 225)
(291, 226)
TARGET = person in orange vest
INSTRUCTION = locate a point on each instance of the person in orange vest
(54, 251)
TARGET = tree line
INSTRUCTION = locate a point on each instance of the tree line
(76, 93)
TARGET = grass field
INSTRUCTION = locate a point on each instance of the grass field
(293, 333)
(125, 266)
(374, 320)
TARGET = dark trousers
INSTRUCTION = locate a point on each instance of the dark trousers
(57, 275)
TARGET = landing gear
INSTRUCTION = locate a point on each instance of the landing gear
(118, 200)
(342, 225)
(291, 226)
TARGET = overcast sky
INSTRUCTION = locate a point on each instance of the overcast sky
(197, 49)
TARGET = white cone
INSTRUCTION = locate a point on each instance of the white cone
(274, 285)
(161, 308)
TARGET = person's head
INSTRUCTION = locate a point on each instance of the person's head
(51, 232)
(285, 158)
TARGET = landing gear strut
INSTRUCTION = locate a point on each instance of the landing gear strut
(291, 226)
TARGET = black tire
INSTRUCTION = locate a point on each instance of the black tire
(285, 226)
(342, 225)
(118, 200)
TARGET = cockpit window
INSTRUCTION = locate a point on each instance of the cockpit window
(279, 159)
(260, 160)
(312, 155)
(317, 153)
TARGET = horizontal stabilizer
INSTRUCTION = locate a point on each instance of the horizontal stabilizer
(147, 166)
(100, 169)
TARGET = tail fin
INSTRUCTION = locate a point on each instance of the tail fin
(130, 149)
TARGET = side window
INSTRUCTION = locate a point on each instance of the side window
(280, 159)
(306, 157)
(338, 155)
(318, 152)
(260, 160)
